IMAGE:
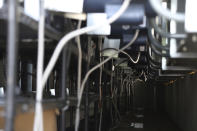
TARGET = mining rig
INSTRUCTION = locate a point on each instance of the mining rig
(98, 65)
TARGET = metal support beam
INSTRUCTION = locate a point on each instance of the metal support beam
(87, 85)
(12, 52)
(63, 88)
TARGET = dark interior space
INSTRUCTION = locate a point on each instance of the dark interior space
(98, 65)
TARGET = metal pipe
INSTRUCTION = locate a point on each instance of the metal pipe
(64, 74)
(87, 106)
(29, 76)
(12, 52)
(96, 115)
(62, 89)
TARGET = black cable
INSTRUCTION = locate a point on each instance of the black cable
(149, 58)
(165, 34)
(154, 63)
(153, 70)
(155, 43)
(155, 66)
(158, 53)
(152, 60)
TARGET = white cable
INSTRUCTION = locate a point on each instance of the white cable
(106, 60)
(38, 120)
(75, 33)
(109, 21)
(166, 13)
(131, 59)
(96, 67)
(134, 61)
(64, 41)
(79, 68)
(68, 37)
(79, 59)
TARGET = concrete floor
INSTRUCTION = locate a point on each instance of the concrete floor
(152, 122)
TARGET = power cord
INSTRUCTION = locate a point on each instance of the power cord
(96, 67)
(130, 58)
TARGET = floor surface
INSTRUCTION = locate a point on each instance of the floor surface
(151, 122)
